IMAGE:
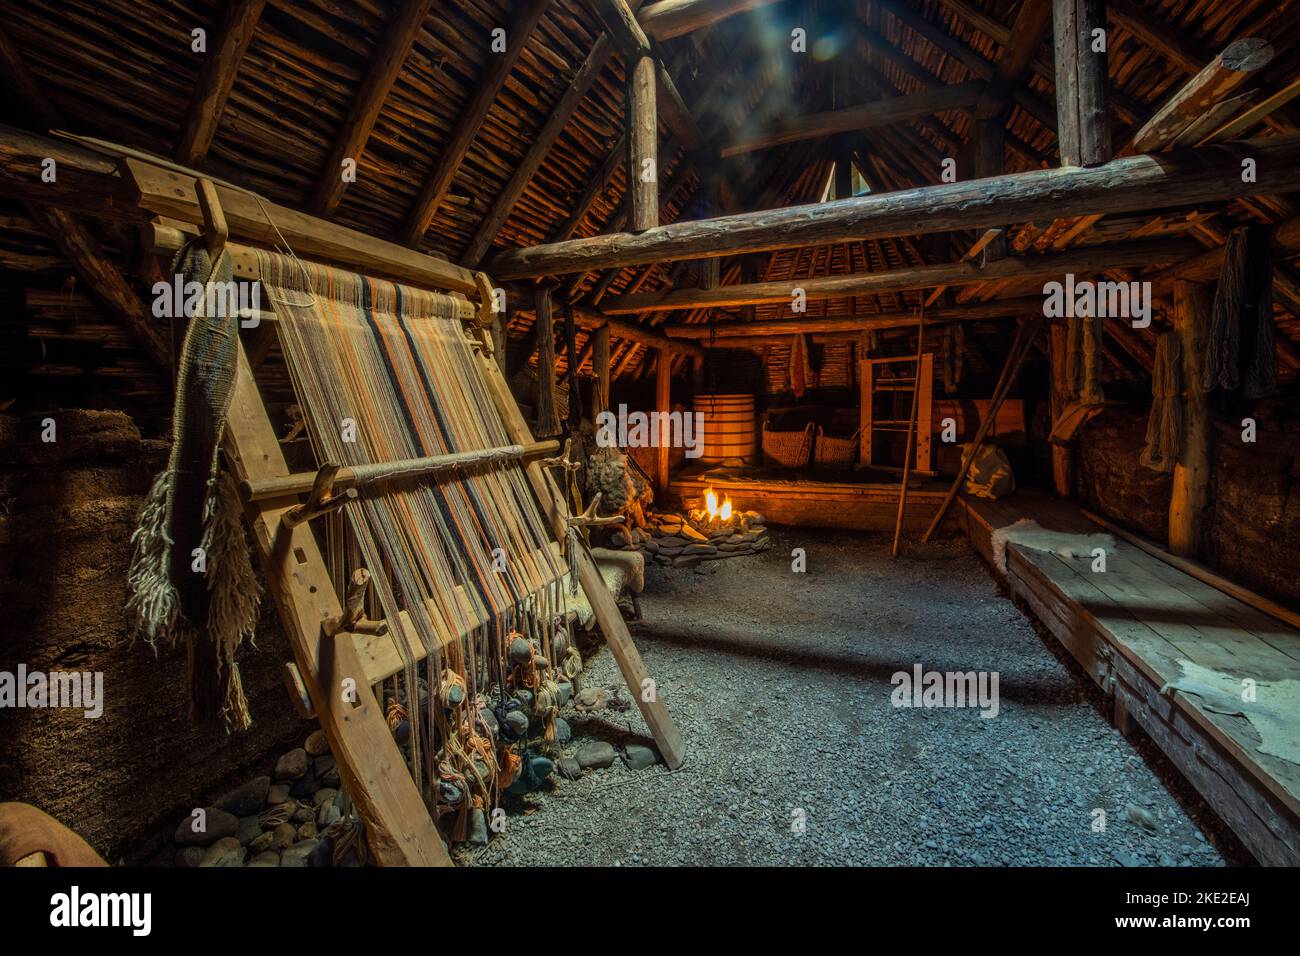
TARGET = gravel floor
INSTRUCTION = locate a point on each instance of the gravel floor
(780, 684)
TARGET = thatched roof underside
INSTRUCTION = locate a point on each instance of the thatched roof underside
(123, 70)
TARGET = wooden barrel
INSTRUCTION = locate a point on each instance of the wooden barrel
(728, 426)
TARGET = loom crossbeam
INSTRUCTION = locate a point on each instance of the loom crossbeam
(345, 477)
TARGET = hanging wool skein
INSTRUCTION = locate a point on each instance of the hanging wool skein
(1241, 347)
(1165, 424)
(384, 373)
(1083, 344)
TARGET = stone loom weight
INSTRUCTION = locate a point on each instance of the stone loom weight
(328, 658)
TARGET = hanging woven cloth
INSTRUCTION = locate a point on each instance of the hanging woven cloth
(190, 579)
(1165, 426)
(1241, 348)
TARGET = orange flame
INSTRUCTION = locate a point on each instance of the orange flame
(712, 507)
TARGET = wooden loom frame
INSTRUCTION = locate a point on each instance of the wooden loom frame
(334, 669)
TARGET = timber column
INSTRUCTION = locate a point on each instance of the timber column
(1191, 489)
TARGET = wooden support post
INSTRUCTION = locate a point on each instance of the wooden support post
(663, 404)
(1083, 126)
(1062, 455)
(648, 696)
(911, 435)
(1191, 486)
(547, 416)
(990, 147)
(643, 163)
(600, 361)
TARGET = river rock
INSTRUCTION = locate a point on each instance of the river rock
(478, 831)
(225, 852)
(516, 724)
(305, 786)
(639, 757)
(691, 534)
(650, 545)
(569, 768)
(490, 720)
(323, 796)
(596, 755)
(189, 856)
(250, 828)
(283, 836)
(277, 794)
(672, 541)
(246, 799)
(308, 831)
(292, 765)
(217, 825)
(272, 817)
(700, 549)
(304, 814)
(317, 744)
(262, 842)
(296, 855)
(563, 733)
(269, 858)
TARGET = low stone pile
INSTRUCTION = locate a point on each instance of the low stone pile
(684, 540)
(291, 818)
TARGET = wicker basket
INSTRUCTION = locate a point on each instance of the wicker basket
(835, 453)
(788, 449)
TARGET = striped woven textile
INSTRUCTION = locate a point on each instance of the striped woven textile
(384, 372)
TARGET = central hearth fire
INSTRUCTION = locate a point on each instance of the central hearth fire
(706, 530)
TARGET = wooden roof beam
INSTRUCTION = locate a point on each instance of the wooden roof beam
(439, 181)
(351, 144)
(1032, 25)
(1083, 259)
(882, 112)
(217, 78)
(732, 332)
(560, 115)
(1128, 184)
(665, 19)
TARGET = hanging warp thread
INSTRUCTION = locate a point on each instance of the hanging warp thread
(1165, 425)
(383, 372)
(190, 580)
(1241, 348)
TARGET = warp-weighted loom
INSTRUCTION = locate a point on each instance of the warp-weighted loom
(397, 383)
